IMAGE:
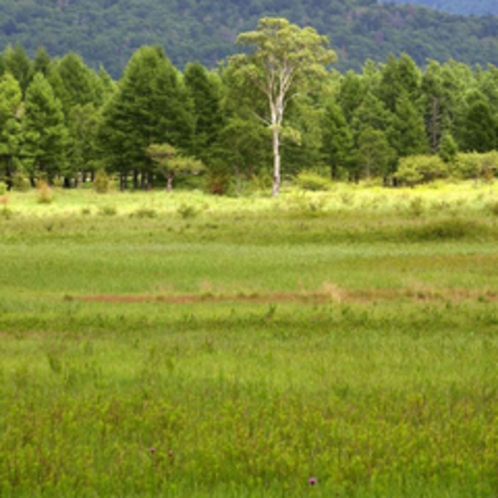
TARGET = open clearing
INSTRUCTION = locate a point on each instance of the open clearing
(191, 346)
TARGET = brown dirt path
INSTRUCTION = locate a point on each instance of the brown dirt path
(331, 294)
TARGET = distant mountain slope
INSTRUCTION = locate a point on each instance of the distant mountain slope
(462, 7)
(109, 31)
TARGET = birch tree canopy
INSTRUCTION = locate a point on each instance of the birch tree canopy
(284, 61)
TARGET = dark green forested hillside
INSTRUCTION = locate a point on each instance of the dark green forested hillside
(109, 31)
(462, 7)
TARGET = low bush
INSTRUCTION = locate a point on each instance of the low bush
(107, 211)
(187, 211)
(21, 183)
(144, 212)
(473, 165)
(448, 229)
(415, 170)
(309, 180)
(102, 182)
(45, 194)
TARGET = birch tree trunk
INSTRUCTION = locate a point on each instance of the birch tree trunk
(276, 161)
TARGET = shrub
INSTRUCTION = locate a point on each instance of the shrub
(3, 188)
(473, 165)
(187, 211)
(144, 212)
(449, 229)
(309, 180)
(45, 195)
(448, 148)
(414, 170)
(101, 182)
(20, 182)
(107, 211)
(58, 182)
(493, 208)
(416, 207)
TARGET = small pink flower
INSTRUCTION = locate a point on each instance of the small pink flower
(152, 449)
(312, 481)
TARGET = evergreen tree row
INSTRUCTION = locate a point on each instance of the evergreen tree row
(62, 121)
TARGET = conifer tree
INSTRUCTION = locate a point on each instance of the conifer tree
(149, 107)
(45, 132)
(407, 132)
(371, 113)
(42, 62)
(77, 83)
(106, 88)
(399, 77)
(479, 130)
(338, 142)
(375, 155)
(448, 148)
(19, 64)
(351, 93)
(10, 126)
(436, 105)
(208, 118)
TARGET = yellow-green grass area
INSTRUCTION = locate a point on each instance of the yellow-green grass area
(191, 346)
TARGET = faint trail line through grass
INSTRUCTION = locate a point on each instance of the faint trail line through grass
(333, 295)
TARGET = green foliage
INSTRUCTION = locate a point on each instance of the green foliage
(45, 131)
(3, 188)
(108, 210)
(17, 63)
(462, 7)
(45, 194)
(479, 125)
(187, 211)
(407, 134)
(285, 62)
(72, 121)
(448, 148)
(309, 180)
(109, 33)
(476, 166)
(149, 107)
(101, 182)
(171, 163)
(414, 170)
(205, 91)
(451, 229)
(144, 212)
(20, 182)
(375, 155)
(337, 140)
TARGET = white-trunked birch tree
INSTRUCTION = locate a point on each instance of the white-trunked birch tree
(286, 61)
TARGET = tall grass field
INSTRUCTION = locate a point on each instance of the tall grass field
(327, 344)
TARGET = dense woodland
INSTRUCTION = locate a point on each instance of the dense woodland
(109, 32)
(62, 121)
(462, 7)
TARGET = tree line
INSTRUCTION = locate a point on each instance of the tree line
(62, 121)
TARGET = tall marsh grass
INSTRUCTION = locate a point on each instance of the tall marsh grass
(251, 348)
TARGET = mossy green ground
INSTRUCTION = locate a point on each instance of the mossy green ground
(190, 346)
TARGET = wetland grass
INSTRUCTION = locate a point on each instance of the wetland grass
(251, 348)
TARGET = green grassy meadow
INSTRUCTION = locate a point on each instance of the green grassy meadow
(184, 345)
